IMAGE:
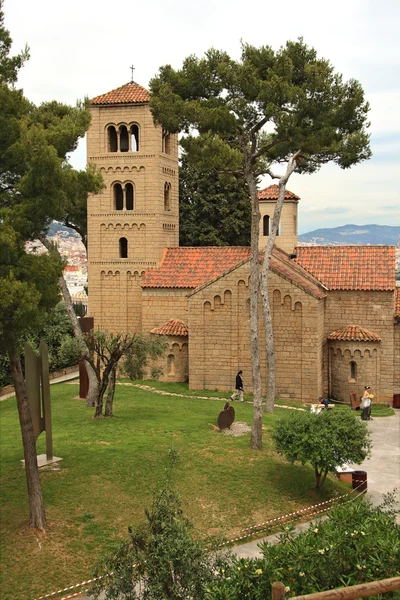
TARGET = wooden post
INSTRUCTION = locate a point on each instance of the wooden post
(278, 590)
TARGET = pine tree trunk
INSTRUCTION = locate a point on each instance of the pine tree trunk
(256, 430)
(93, 381)
(108, 412)
(268, 326)
(37, 518)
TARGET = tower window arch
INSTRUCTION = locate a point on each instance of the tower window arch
(167, 196)
(123, 247)
(266, 225)
(353, 371)
(166, 142)
(171, 364)
(112, 139)
(123, 139)
(129, 196)
(118, 197)
(134, 131)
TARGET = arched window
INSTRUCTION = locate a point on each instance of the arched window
(278, 231)
(171, 364)
(123, 248)
(166, 142)
(266, 225)
(123, 139)
(134, 138)
(129, 196)
(112, 139)
(167, 196)
(353, 370)
(118, 197)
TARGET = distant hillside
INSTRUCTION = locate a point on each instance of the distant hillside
(354, 234)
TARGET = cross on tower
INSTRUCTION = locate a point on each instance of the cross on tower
(132, 69)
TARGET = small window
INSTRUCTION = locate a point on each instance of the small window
(278, 230)
(129, 196)
(118, 197)
(123, 248)
(134, 138)
(166, 143)
(171, 364)
(167, 196)
(112, 139)
(353, 371)
(123, 139)
(266, 225)
(295, 224)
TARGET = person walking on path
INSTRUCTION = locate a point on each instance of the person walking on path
(238, 388)
(366, 404)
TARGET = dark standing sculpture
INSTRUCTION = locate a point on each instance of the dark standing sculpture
(226, 417)
(38, 389)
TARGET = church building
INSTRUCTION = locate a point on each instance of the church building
(336, 309)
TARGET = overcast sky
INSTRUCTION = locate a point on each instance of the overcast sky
(85, 48)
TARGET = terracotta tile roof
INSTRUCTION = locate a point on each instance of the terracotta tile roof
(350, 267)
(130, 93)
(172, 327)
(288, 269)
(397, 302)
(354, 333)
(189, 267)
(271, 193)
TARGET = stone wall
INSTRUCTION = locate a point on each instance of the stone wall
(374, 312)
(365, 358)
(396, 358)
(220, 336)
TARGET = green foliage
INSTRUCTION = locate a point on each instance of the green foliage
(143, 349)
(325, 440)
(355, 544)
(160, 559)
(214, 207)
(306, 105)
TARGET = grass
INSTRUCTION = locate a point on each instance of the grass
(110, 468)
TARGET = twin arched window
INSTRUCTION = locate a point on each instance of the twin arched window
(123, 138)
(124, 197)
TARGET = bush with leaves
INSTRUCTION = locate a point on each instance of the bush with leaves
(326, 440)
(160, 559)
(355, 544)
(144, 349)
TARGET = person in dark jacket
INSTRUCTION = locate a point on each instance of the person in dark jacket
(238, 388)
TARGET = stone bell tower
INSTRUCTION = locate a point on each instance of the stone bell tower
(287, 232)
(136, 216)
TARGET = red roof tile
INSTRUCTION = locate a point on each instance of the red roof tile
(188, 267)
(130, 93)
(354, 333)
(271, 193)
(397, 302)
(350, 267)
(172, 327)
(288, 269)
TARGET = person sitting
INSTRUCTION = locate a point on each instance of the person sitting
(324, 401)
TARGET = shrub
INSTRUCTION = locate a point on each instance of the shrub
(326, 440)
(355, 544)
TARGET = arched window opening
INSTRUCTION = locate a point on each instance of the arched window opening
(166, 142)
(353, 370)
(266, 225)
(171, 364)
(123, 139)
(123, 248)
(129, 196)
(167, 196)
(134, 138)
(118, 197)
(112, 139)
(278, 231)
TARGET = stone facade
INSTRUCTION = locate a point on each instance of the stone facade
(133, 224)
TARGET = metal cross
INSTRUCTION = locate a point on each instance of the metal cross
(132, 69)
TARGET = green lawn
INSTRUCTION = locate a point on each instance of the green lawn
(111, 466)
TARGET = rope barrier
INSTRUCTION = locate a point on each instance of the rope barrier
(265, 525)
